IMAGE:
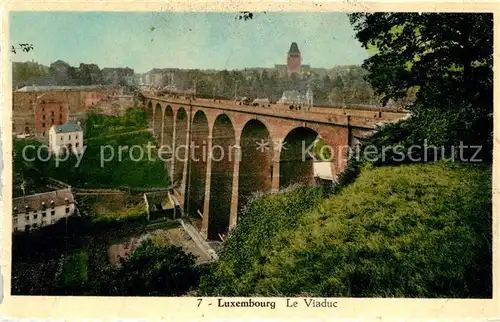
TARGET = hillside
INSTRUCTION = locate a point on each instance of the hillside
(101, 165)
(408, 231)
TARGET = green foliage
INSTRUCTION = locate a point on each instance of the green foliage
(71, 258)
(447, 58)
(137, 212)
(407, 231)
(28, 70)
(348, 86)
(23, 47)
(124, 172)
(87, 74)
(241, 258)
(152, 270)
(245, 15)
(111, 131)
(322, 153)
(406, 142)
(97, 125)
(382, 148)
(26, 175)
(73, 274)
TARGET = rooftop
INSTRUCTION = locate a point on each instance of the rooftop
(35, 88)
(291, 92)
(161, 70)
(67, 128)
(49, 97)
(294, 49)
(38, 201)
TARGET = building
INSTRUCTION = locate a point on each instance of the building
(293, 61)
(61, 103)
(118, 76)
(292, 97)
(309, 96)
(90, 73)
(159, 77)
(66, 137)
(50, 110)
(130, 80)
(261, 101)
(139, 80)
(155, 77)
(42, 209)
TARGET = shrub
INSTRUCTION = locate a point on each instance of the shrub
(154, 270)
(320, 152)
(242, 253)
(97, 125)
(73, 273)
(408, 231)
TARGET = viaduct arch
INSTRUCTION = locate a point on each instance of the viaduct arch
(255, 168)
(180, 146)
(222, 154)
(296, 163)
(197, 166)
(224, 150)
(157, 122)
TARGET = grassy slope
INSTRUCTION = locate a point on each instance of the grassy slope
(413, 231)
(241, 257)
(101, 131)
(143, 173)
(127, 172)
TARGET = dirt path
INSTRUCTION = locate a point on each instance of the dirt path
(179, 237)
(174, 236)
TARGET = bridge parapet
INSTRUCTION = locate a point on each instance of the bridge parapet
(367, 119)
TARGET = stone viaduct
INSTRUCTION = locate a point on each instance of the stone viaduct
(221, 152)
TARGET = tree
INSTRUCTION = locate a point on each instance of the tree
(23, 72)
(156, 270)
(327, 83)
(23, 47)
(204, 88)
(64, 74)
(446, 58)
(88, 74)
(135, 117)
(138, 97)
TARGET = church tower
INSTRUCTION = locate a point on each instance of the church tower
(294, 60)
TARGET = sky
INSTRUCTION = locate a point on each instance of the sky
(189, 40)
